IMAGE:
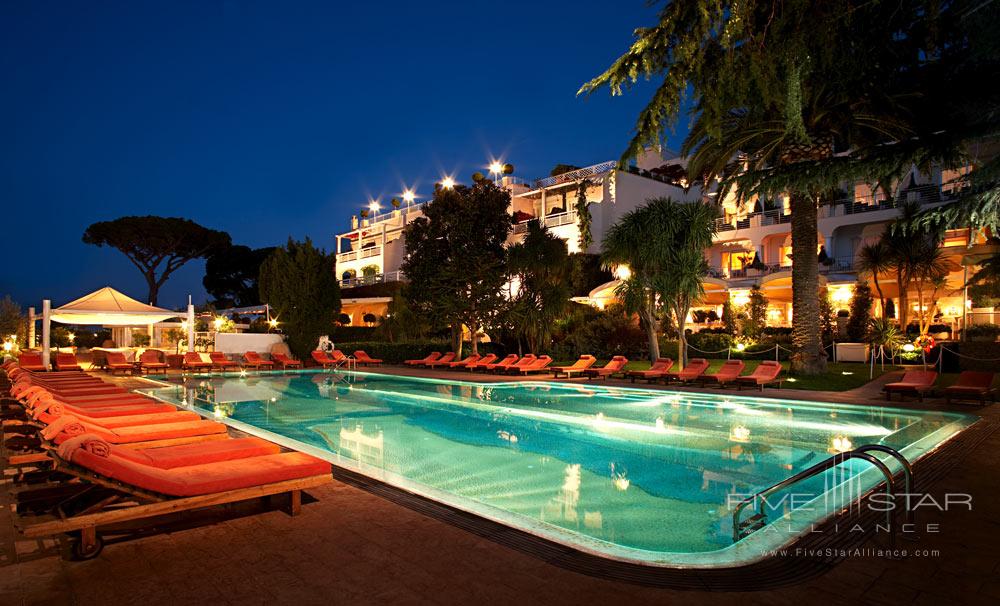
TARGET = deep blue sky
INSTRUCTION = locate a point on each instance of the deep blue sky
(278, 119)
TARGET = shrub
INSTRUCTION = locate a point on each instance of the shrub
(983, 332)
(352, 333)
(861, 313)
(606, 333)
(708, 342)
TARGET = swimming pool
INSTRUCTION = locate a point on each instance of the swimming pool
(638, 475)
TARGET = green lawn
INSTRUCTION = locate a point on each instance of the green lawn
(839, 377)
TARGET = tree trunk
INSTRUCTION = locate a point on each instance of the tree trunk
(648, 320)
(681, 337)
(456, 339)
(881, 297)
(808, 356)
(154, 288)
(903, 310)
(474, 330)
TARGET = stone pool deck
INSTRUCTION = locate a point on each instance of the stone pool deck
(353, 547)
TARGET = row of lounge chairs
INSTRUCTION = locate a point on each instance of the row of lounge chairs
(766, 373)
(150, 361)
(91, 456)
(972, 385)
(337, 358)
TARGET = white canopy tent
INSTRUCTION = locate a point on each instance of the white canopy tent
(106, 307)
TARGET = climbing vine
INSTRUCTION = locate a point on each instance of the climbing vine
(582, 208)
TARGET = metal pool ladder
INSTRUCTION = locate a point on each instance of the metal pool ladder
(743, 528)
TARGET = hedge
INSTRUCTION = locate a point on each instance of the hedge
(351, 333)
(975, 355)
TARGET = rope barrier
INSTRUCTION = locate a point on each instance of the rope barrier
(951, 351)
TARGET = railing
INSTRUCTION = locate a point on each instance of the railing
(831, 265)
(392, 276)
(364, 253)
(921, 194)
(576, 175)
(743, 528)
(565, 218)
(389, 214)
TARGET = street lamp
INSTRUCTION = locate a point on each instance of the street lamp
(497, 169)
(409, 196)
(447, 183)
(374, 206)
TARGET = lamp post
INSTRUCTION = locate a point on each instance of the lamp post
(496, 169)
(447, 183)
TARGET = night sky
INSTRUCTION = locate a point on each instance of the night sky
(277, 119)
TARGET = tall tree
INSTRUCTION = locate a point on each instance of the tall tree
(231, 275)
(541, 270)
(663, 244)
(455, 258)
(791, 83)
(297, 281)
(874, 259)
(157, 246)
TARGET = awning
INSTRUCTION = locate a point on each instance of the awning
(108, 307)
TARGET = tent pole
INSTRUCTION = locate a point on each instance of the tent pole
(46, 331)
(190, 327)
(31, 327)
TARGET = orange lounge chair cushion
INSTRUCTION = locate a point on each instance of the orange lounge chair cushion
(202, 479)
(200, 453)
(68, 426)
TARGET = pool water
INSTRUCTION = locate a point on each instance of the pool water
(634, 474)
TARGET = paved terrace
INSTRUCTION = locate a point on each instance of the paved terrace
(353, 547)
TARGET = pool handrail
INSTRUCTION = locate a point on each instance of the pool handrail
(759, 520)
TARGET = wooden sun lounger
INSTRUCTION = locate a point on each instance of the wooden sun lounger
(730, 370)
(577, 368)
(695, 368)
(972, 385)
(917, 382)
(767, 372)
(656, 370)
(125, 502)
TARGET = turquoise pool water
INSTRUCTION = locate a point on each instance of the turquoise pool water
(638, 475)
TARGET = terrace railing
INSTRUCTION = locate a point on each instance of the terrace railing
(576, 175)
(565, 218)
(364, 253)
(392, 276)
(831, 265)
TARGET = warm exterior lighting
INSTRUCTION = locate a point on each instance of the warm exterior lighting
(909, 347)
(374, 206)
(8, 346)
(409, 196)
(740, 297)
(447, 183)
(740, 433)
(622, 272)
(273, 322)
(72, 337)
(740, 346)
(841, 295)
(496, 167)
(218, 323)
(840, 444)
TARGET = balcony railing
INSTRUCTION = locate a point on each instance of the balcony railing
(576, 175)
(921, 194)
(392, 276)
(404, 210)
(831, 265)
(364, 253)
(556, 220)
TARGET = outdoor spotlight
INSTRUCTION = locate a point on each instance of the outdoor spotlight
(740, 347)
(447, 183)
(373, 206)
(909, 347)
(408, 196)
(496, 168)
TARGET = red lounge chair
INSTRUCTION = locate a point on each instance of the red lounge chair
(253, 360)
(47, 411)
(321, 358)
(538, 365)
(443, 360)
(220, 361)
(727, 374)
(165, 434)
(486, 363)
(972, 385)
(103, 407)
(615, 365)
(509, 362)
(116, 361)
(31, 361)
(470, 359)
(67, 361)
(585, 362)
(766, 373)
(193, 361)
(483, 361)
(917, 382)
(285, 361)
(434, 355)
(695, 368)
(362, 358)
(656, 370)
(150, 361)
(145, 489)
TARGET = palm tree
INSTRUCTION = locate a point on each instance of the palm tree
(541, 269)
(914, 256)
(788, 84)
(663, 244)
(874, 259)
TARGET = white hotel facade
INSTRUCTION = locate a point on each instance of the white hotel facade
(752, 246)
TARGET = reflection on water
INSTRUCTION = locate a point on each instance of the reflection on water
(641, 469)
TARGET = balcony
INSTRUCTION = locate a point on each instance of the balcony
(354, 255)
(550, 221)
(576, 175)
(830, 266)
(921, 194)
(392, 276)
